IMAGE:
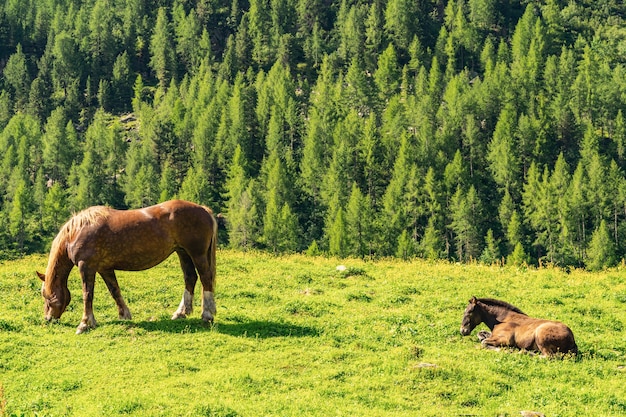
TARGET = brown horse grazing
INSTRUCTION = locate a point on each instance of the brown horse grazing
(511, 327)
(101, 239)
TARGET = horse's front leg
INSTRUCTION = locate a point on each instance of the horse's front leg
(498, 338)
(483, 334)
(482, 337)
(89, 278)
(111, 281)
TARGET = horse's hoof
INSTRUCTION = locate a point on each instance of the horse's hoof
(82, 328)
(482, 335)
(178, 315)
(207, 318)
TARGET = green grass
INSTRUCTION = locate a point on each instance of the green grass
(296, 337)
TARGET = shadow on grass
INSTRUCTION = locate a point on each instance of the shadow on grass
(252, 329)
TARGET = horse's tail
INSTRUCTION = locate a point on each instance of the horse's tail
(212, 247)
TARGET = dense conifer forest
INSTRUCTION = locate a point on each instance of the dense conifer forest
(466, 130)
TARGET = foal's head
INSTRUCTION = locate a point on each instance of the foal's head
(471, 317)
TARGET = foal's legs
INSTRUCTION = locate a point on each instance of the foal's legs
(483, 336)
(89, 277)
(191, 277)
(111, 281)
(500, 336)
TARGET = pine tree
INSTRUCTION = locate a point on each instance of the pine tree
(168, 184)
(101, 39)
(406, 246)
(578, 206)
(387, 75)
(359, 223)
(373, 34)
(372, 157)
(559, 182)
(21, 207)
(491, 252)
(241, 205)
(139, 186)
(503, 153)
(187, 28)
(16, 75)
(401, 21)
(619, 136)
(66, 64)
(601, 250)
(351, 27)
(518, 257)
(596, 190)
(431, 245)
(358, 92)
(464, 210)
(260, 30)
(483, 13)
(337, 236)
(196, 187)
(289, 232)
(122, 82)
(271, 222)
(59, 146)
(393, 213)
(162, 51)
(6, 108)
(55, 208)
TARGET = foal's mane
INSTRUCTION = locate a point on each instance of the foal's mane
(499, 303)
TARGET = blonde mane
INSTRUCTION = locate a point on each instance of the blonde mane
(84, 218)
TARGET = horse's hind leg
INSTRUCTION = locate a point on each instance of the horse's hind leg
(111, 281)
(207, 277)
(191, 277)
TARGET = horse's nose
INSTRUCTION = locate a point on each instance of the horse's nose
(464, 331)
(50, 318)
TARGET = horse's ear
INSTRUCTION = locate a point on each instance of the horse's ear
(41, 276)
(473, 300)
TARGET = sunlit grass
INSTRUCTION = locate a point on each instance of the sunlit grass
(294, 336)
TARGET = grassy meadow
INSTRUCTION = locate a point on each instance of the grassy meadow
(294, 336)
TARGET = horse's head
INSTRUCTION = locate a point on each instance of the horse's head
(471, 317)
(56, 299)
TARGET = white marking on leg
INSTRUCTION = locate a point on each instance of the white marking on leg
(208, 306)
(185, 307)
(88, 322)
